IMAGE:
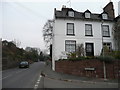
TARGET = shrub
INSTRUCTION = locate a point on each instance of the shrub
(79, 58)
(80, 51)
(107, 59)
(116, 54)
(71, 55)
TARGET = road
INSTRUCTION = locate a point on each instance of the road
(22, 78)
(31, 78)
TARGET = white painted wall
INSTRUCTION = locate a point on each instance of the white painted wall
(60, 30)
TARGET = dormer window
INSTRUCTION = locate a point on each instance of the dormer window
(71, 14)
(104, 16)
(87, 15)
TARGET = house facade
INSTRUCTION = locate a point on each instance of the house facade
(72, 28)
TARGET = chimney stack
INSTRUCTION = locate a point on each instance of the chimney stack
(109, 8)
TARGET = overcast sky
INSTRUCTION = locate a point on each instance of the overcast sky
(23, 20)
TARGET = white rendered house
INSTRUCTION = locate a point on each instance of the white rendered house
(72, 27)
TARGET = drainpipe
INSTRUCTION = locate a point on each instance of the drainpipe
(104, 69)
(104, 66)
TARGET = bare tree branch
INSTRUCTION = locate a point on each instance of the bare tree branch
(47, 32)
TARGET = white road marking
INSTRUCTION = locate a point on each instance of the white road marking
(38, 80)
(6, 77)
(36, 86)
(11, 74)
(37, 83)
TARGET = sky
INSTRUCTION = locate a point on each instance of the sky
(23, 20)
(119, 8)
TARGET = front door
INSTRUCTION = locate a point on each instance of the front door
(89, 49)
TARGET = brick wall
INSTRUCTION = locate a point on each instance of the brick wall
(78, 68)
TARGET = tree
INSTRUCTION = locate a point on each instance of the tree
(47, 33)
(35, 55)
(32, 53)
(116, 29)
(16, 42)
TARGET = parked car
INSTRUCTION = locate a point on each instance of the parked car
(24, 64)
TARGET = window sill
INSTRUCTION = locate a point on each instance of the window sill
(70, 34)
(106, 36)
(89, 35)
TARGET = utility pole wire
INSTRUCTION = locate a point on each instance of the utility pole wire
(21, 12)
(30, 10)
(69, 2)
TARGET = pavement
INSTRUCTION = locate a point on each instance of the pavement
(48, 72)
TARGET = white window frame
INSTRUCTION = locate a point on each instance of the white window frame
(70, 45)
(104, 16)
(108, 44)
(87, 15)
(71, 14)
(88, 30)
(70, 31)
(105, 33)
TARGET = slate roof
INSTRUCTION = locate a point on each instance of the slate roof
(118, 17)
(78, 15)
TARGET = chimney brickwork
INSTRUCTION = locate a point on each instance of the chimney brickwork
(109, 8)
